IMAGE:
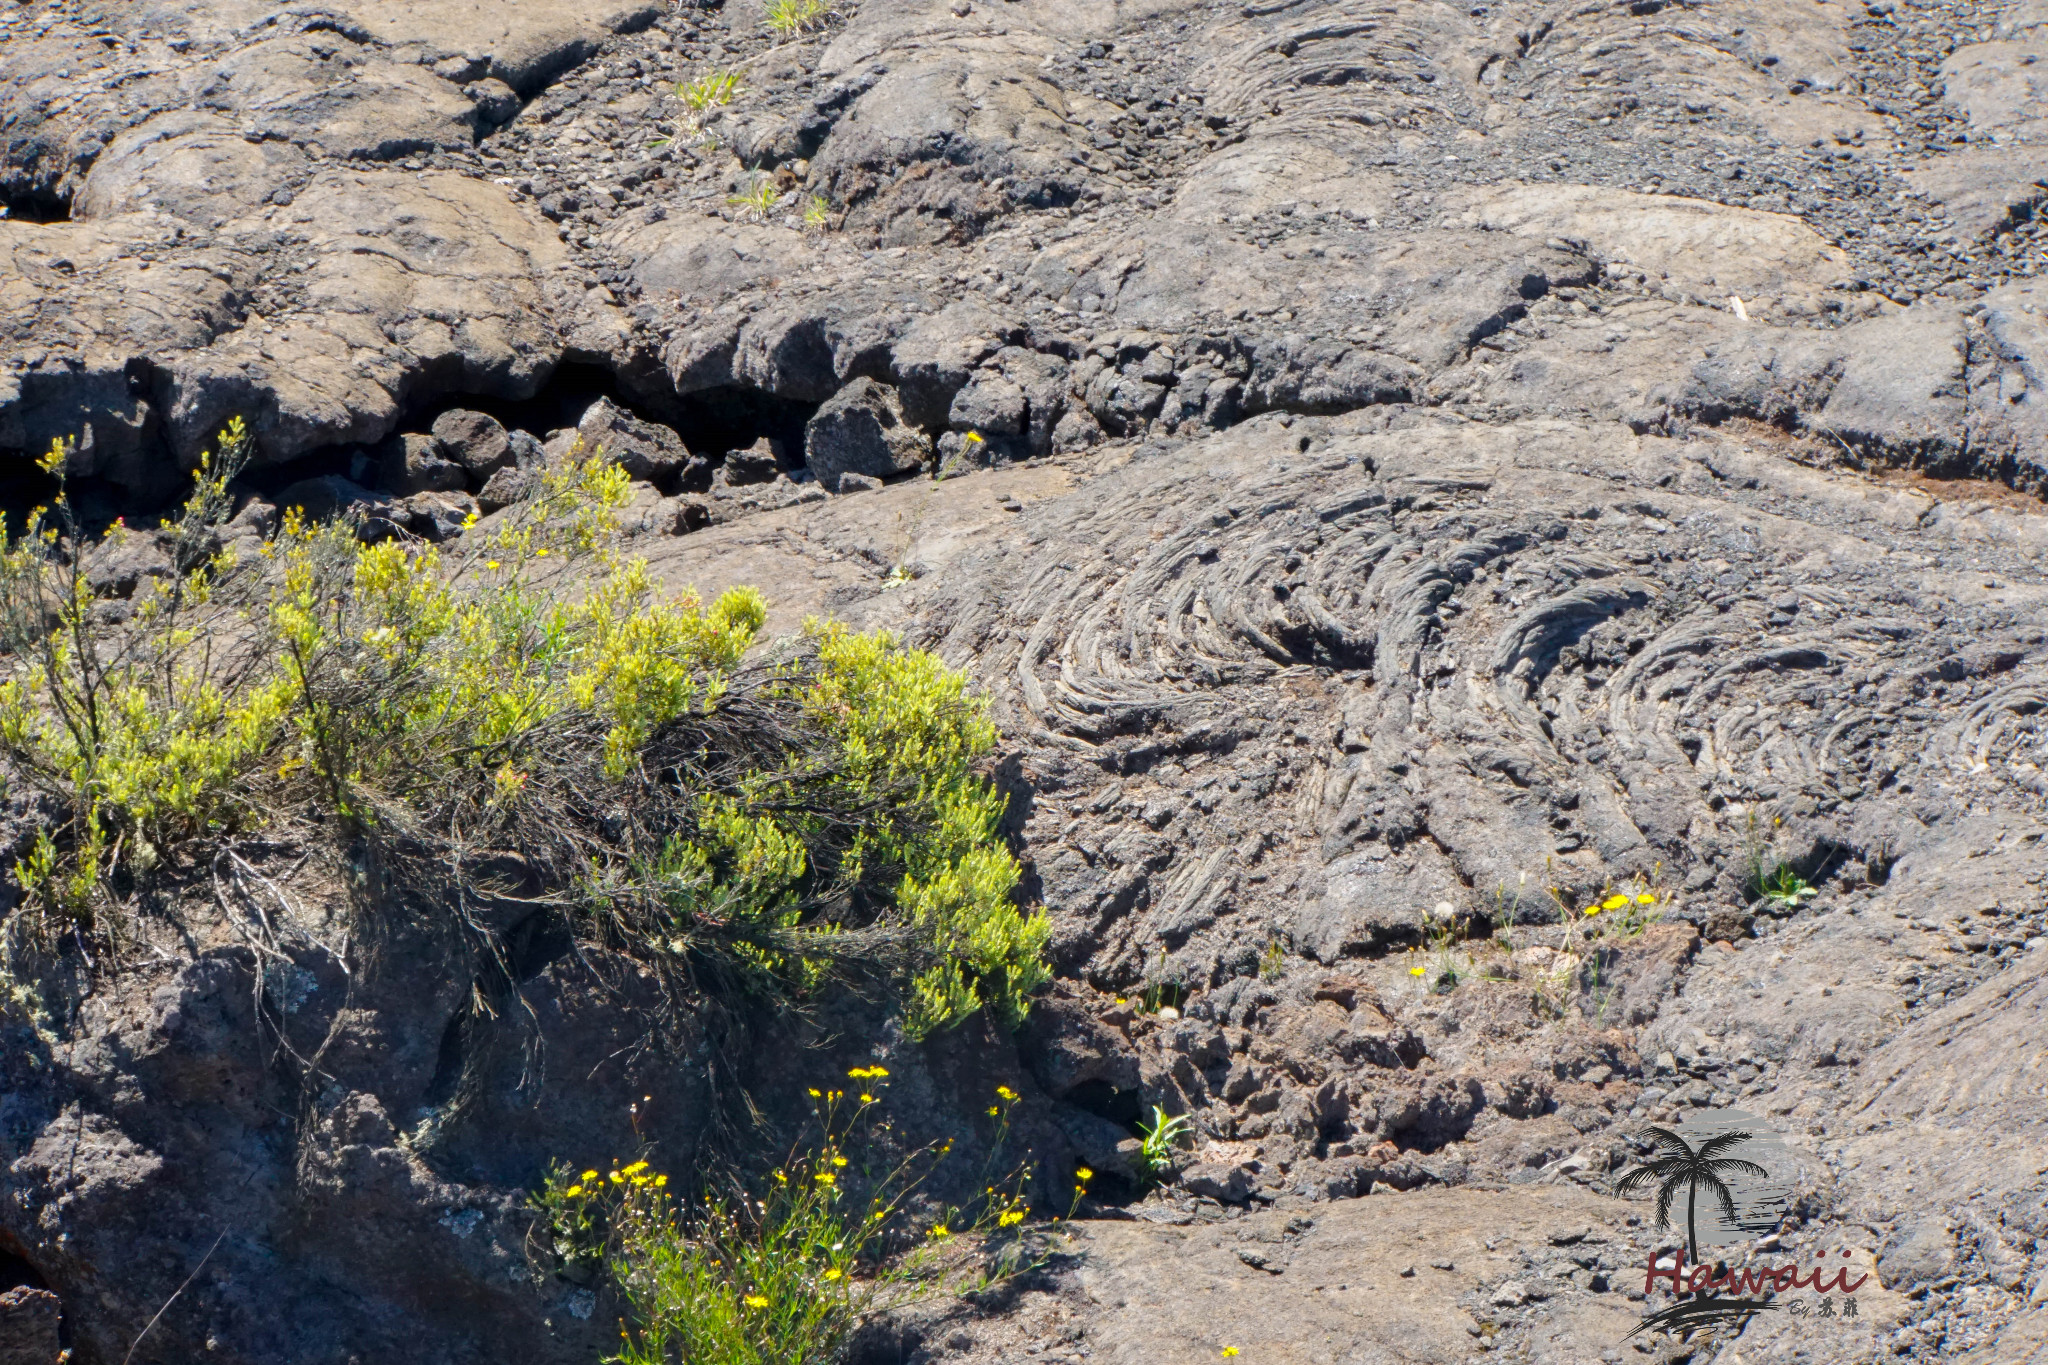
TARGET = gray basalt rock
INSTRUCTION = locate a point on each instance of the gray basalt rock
(862, 430)
(418, 463)
(28, 1327)
(647, 451)
(474, 440)
(1489, 458)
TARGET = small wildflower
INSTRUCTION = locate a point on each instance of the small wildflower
(838, 1161)
(827, 1178)
(833, 1273)
(1003, 1092)
(1646, 899)
(1592, 909)
(490, 563)
(1415, 971)
(660, 1181)
(1614, 902)
(866, 1098)
(940, 1231)
(574, 1190)
(1083, 1173)
(617, 1179)
(757, 1301)
(636, 1168)
(1229, 1351)
(1010, 1219)
(993, 1111)
(816, 1095)
(587, 1177)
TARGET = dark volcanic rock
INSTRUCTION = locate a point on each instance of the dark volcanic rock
(1473, 457)
(647, 451)
(862, 430)
(473, 440)
(28, 1327)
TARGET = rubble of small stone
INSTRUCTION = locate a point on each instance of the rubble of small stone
(1373, 457)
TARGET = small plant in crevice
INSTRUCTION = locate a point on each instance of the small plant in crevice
(787, 1266)
(1768, 875)
(1158, 1141)
(1273, 961)
(817, 213)
(1592, 931)
(789, 19)
(1440, 972)
(759, 200)
(1163, 994)
(701, 94)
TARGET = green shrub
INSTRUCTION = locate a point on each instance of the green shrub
(786, 1270)
(766, 825)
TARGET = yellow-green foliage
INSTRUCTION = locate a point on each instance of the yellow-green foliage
(760, 200)
(532, 689)
(786, 1272)
(788, 18)
(708, 91)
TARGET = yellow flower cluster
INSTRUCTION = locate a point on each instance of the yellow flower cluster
(865, 1073)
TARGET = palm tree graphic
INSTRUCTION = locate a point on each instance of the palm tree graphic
(1679, 1165)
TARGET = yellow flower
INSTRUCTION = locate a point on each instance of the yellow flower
(838, 1161)
(587, 1177)
(757, 1301)
(540, 554)
(974, 438)
(1010, 1219)
(618, 1179)
(815, 1095)
(833, 1273)
(1592, 909)
(574, 1190)
(490, 563)
(1646, 900)
(940, 1231)
(1083, 1173)
(660, 1181)
(1614, 902)
(866, 1098)
(781, 1178)
(636, 1168)
(827, 1178)
(993, 1111)
(1415, 971)
(1229, 1351)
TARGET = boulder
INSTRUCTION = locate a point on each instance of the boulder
(758, 463)
(415, 463)
(647, 451)
(330, 496)
(507, 486)
(474, 440)
(861, 430)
